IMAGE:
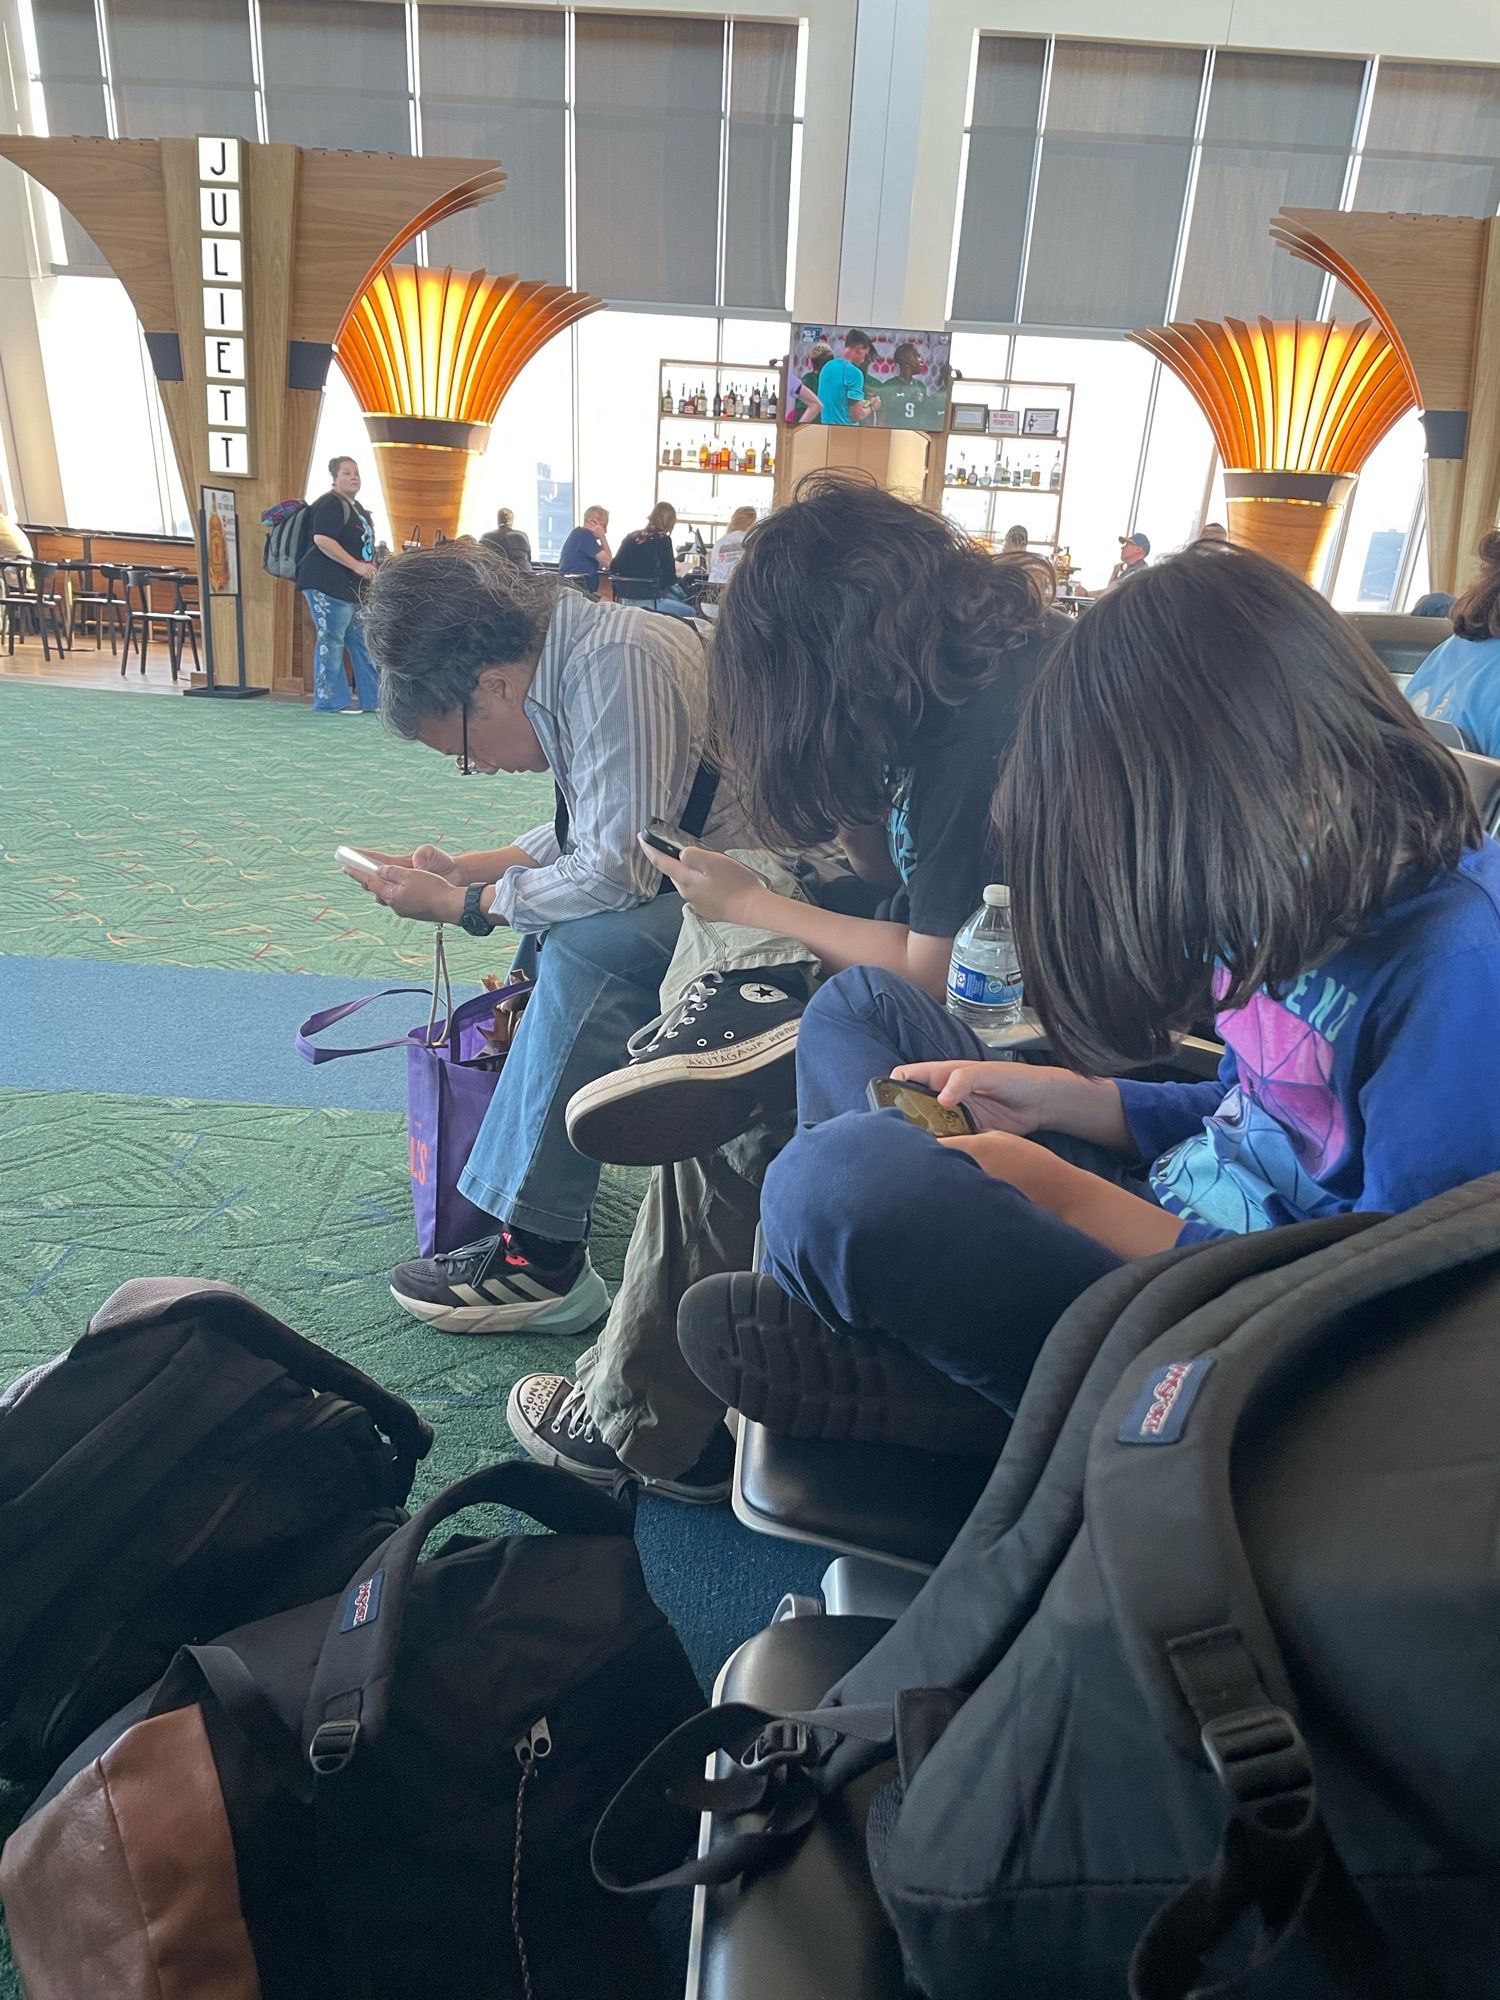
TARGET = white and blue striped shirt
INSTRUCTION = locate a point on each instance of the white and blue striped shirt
(619, 702)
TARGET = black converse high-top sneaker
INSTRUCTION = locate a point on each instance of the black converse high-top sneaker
(698, 1075)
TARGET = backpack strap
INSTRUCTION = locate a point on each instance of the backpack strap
(221, 1672)
(151, 1301)
(1194, 1630)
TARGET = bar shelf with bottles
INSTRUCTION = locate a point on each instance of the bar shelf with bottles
(1017, 474)
(716, 420)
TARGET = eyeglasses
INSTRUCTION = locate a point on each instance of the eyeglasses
(465, 768)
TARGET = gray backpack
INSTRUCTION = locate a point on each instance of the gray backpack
(289, 536)
(1211, 1677)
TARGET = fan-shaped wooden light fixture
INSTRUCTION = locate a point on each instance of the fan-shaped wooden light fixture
(1296, 407)
(430, 355)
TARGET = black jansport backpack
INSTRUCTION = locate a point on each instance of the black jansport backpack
(1205, 1697)
(385, 1795)
(188, 1465)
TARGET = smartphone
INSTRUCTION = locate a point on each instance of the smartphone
(919, 1106)
(350, 857)
(666, 838)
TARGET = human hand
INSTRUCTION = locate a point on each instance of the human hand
(718, 888)
(432, 860)
(1001, 1096)
(1041, 1176)
(365, 569)
(417, 893)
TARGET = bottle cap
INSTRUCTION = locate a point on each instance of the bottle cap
(997, 896)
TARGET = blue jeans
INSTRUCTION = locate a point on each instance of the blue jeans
(878, 1228)
(598, 979)
(674, 607)
(339, 625)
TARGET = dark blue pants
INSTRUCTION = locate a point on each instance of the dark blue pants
(880, 1229)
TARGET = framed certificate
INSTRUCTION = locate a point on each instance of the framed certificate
(970, 419)
(1039, 423)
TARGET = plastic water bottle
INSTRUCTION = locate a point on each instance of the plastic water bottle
(984, 974)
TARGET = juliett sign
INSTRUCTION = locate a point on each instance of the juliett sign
(225, 314)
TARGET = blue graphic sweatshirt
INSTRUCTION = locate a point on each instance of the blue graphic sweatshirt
(1371, 1083)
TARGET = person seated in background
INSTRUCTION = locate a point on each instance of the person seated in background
(15, 543)
(1459, 682)
(1434, 604)
(1214, 532)
(1135, 549)
(731, 545)
(505, 671)
(338, 560)
(586, 552)
(644, 570)
(806, 409)
(871, 664)
(843, 396)
(1217, 799)
(508, 540)
(1016, 541)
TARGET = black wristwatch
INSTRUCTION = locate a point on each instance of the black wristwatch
(473, 920)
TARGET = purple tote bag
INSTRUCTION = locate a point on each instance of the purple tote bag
(446, 1099)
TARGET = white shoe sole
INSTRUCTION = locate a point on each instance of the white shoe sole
(680, 1107)
(536, 1447)
(587, 1301)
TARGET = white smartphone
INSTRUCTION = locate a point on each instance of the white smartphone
(350, 857)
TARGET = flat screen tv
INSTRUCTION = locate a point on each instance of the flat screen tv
(905, 379)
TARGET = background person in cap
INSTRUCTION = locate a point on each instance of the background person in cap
(1134, 549)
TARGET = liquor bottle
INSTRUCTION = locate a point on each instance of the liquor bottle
(1015, 472)
(666, 453)
(767, 459)
(682, 404)
(719, 409)
(702, 400)
(747, 462)
(961, 477)
(731, 408)
(676, 455)
(667, 405)
(755, 404)
(704, 457)
(1036, 470)
(1054, 477)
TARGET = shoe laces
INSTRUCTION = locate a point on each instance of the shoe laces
(580, 1423)
(667, 1027)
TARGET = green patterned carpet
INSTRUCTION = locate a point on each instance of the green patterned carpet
(197, 835)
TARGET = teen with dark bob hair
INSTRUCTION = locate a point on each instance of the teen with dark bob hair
(1217, 799)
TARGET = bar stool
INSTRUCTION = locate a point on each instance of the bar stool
(31, 593)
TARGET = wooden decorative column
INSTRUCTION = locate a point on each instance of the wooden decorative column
(1296, 407)
(315, 227)
(1433, 283)
(430, 354)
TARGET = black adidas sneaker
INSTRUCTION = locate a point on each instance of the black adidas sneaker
(698, 1075)
(492, 1287)
(765, 1354)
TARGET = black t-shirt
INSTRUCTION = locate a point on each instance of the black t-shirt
(510, 543)
(345, 522)
(942, 839)
(645, 564)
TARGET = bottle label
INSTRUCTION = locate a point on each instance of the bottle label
(984, 989)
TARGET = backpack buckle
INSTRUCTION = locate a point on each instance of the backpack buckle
(333, 1746)
(779, 1743)
(1258, 1755)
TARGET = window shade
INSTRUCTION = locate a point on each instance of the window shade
(335, 74)
(1002, 154)
(1278, 134)
(72, 66)
(648, 102)
(1110, 186)
(179, 71)
(758, 181)
(493, 88)
(1433, 142)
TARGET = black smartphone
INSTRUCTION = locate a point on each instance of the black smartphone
(666, 838)
(919, 1106)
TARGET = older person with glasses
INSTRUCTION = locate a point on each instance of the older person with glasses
(503, 671)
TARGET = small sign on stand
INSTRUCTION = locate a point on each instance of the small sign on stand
(219, 576)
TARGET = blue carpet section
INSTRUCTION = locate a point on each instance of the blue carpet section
(174, 1031)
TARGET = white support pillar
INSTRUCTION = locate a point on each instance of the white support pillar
(885, 114)
(25, 268)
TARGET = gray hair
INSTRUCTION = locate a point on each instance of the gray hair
(435, 619)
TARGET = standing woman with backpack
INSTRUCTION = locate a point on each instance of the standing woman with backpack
(339, 558)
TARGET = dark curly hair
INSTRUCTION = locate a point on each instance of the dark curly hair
(435, 619)
(1213, 786)
(850, 616)
(1476, 615)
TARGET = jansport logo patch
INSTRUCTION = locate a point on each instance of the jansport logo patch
(362, 1605)
(1159, 1414)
